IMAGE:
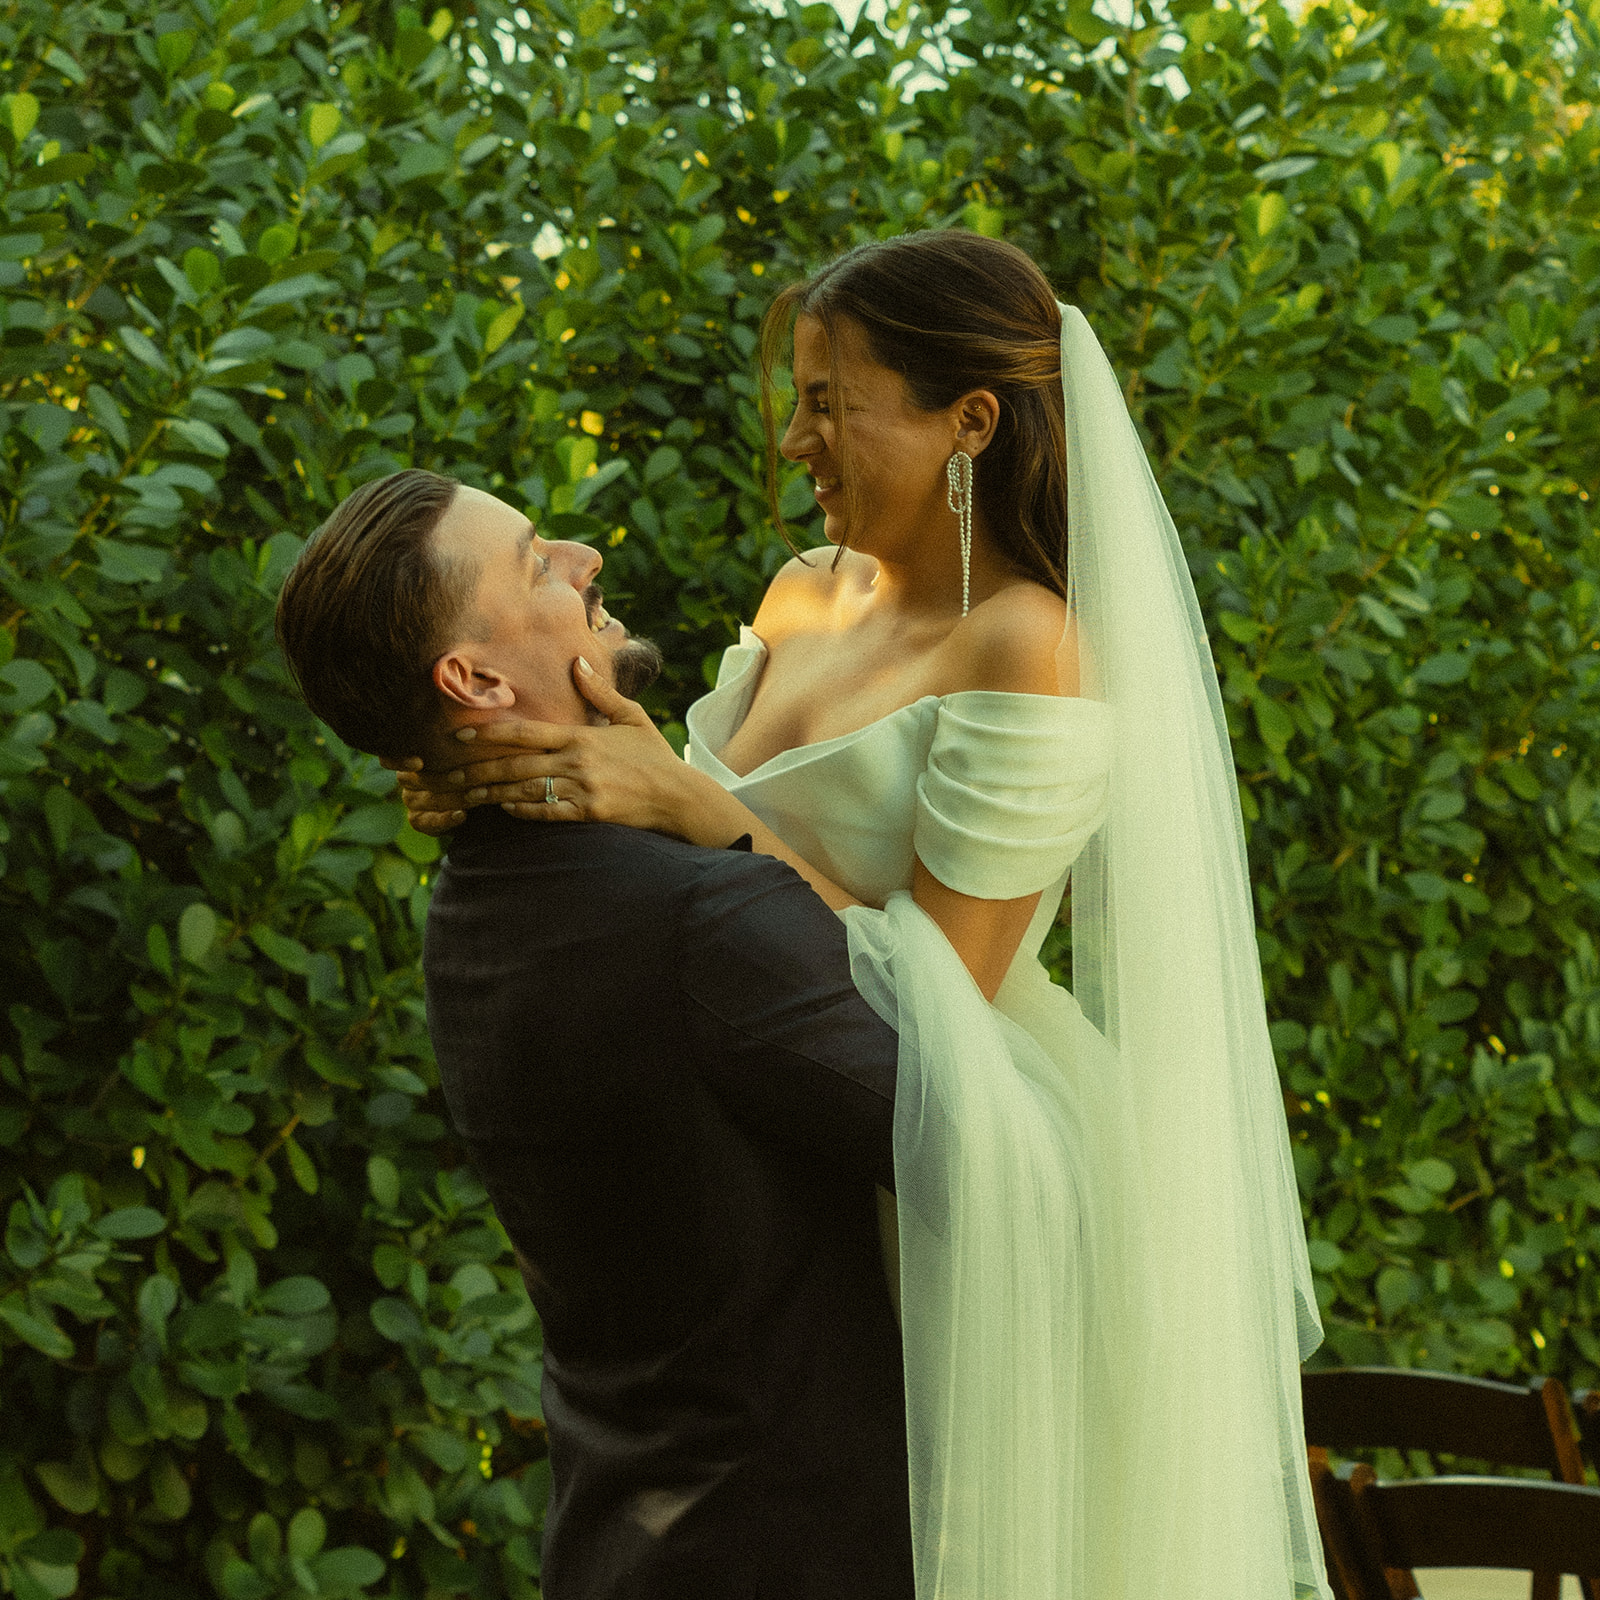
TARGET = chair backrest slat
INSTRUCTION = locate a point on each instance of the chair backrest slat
(1482, 1522)
(1361, 1407)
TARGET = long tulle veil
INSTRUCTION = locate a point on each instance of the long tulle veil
(1197, 1465)
(1104, 1278)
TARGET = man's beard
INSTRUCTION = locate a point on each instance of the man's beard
(635, 667)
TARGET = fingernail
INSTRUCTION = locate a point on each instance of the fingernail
(456, 777)
(475, 795)
(458, 816)
(506, 805)
(464, 734)
(585, 668)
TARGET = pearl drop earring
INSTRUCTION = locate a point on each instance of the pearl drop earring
(959, 470)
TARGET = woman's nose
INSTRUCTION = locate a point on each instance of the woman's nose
(798, 441)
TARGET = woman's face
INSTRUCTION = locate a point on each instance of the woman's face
(898, 454)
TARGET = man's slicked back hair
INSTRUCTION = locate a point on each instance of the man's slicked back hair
(368, 608)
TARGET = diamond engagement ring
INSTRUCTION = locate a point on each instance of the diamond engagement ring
(550, 795)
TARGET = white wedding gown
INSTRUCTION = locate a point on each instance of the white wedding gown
(1028, 1446)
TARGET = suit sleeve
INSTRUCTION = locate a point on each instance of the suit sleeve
(786, 1042)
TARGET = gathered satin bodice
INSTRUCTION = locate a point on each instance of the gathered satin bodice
(997, 793)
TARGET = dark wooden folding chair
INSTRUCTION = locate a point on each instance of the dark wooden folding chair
(1441, 1413)
(1514, 1523)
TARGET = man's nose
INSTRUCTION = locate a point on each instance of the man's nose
(580, 562)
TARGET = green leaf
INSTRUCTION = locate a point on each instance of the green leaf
(143, 349)
(130, 1222)
(301, 1166)
(395, 1320)
(348, 1567)
(169, 1490)
(197, 932)
(288, 290)
(377, 824)
(21, 112)
(288, 953)
(1394, 329)
(277, 243)
(63, 169)
(1286, 167)
(37, 1331)
(241, 1581)
(1449, 666)
(74, 1486)
(449, 1452)
(1325, 1255)
(175, 48)
(123, 562)
(1432, 1174)
(23, 684)
(422, 160)
(159, 948)
(503, 325)
(308, 1532)
(322, 122)
(383, 1178)
(295, 1297)
(193, 434)
(1274, 723)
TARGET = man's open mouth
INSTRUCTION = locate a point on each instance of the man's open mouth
(599, 617)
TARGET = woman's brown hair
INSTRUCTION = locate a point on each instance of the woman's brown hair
(952, 312)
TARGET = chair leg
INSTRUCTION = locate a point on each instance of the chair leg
(1545, 1586)
(1351, 1573)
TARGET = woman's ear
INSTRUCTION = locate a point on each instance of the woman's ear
(977, 417)
(478, 687)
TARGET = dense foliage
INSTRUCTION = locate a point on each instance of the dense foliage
(259, 1334)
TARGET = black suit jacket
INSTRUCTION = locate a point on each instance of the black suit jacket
(679, 1104)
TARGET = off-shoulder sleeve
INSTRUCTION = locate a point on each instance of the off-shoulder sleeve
(1014, 787)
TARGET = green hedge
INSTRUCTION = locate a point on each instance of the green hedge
(259, 1333)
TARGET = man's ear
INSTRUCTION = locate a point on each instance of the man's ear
(478, 686)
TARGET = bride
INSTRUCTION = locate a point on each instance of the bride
(1102, 1264)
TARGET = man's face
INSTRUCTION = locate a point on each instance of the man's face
(536, 608)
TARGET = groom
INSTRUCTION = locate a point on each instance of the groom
(666, 1078)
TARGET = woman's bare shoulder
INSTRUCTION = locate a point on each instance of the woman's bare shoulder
(1013, 641)
(804, 590)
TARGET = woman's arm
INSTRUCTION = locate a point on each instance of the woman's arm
(984, 933)
(1018, 642)
(623, 772)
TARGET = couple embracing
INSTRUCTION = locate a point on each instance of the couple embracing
(735, 1037)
